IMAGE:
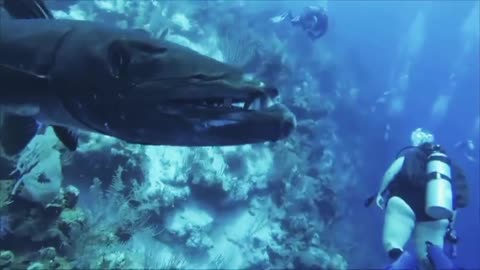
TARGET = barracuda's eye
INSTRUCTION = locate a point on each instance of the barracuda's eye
(119, 59)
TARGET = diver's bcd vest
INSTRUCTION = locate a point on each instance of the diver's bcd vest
(439, 194)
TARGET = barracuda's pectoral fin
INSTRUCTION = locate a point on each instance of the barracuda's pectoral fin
(18, 125)
(27, 9)
(16, 132)
(68, 137)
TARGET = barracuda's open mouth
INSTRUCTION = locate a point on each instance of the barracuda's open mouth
(256, 102)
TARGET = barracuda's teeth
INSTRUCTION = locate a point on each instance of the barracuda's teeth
(270, 102)
(227, 102)
(248, 103)
(266, 102)
(239, 104)
(252, 103)
(256, 104)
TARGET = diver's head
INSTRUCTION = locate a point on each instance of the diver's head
(420, 136)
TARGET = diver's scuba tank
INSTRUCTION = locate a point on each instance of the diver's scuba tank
(439, 197)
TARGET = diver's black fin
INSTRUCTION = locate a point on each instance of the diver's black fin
(16, 132)
(21, 81)
(27, 9)
(67, 137)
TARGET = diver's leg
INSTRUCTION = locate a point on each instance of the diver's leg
(431, 231)
(398, 226)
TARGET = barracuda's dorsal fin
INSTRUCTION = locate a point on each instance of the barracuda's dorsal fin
(27, 9)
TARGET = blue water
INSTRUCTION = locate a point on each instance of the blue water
(373, 31)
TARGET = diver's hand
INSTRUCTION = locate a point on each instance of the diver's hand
(380, 201)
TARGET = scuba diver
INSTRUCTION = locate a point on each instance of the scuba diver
(313, 20)
(467, 147)
(421, 191)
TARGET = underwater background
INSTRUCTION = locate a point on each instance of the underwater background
(383, 69)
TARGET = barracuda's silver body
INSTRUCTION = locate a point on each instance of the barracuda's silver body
(123, 83)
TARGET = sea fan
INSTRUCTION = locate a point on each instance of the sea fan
(238, 48)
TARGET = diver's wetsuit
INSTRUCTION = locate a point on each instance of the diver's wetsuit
(411, 182)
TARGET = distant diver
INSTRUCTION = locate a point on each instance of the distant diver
(421, 191)
(80, 75)
(313, 20)
(468, 149)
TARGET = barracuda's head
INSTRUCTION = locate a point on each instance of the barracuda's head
(163, 93)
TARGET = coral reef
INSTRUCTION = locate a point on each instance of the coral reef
(37, 236)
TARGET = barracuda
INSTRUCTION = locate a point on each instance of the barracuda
(79, 75)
